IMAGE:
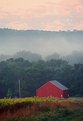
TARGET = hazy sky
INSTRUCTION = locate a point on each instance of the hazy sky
(41, 14)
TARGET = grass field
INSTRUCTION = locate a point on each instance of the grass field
(41, 109)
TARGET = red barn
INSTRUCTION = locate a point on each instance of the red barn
(53, 89)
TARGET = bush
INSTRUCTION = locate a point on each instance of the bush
(44, 109)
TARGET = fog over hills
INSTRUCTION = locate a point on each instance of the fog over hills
(41, 42)
(74, 58)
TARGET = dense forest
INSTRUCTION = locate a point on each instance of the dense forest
(34, 74)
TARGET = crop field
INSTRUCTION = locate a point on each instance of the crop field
(41, 109)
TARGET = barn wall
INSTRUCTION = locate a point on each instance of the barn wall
(66, 93)
(48, 90)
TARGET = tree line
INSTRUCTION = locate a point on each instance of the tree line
(32, 75)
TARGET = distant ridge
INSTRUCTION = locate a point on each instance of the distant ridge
(74, 30)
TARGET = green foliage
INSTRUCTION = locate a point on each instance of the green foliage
(41, 109)
(44, 109)
(52, 116)
(35, 74)
(9, 93)
(25, 118)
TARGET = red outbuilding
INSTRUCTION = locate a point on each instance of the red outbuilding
(53, 89)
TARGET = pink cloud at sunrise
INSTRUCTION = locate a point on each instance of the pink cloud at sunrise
(44, 15)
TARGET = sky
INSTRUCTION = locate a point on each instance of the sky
(51, 15)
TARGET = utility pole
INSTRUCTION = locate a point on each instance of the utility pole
(19, 89)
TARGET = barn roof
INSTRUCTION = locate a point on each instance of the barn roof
(59, 85)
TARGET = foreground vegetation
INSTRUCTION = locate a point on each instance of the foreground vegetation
(41, 109)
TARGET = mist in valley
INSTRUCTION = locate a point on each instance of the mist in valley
(44, 44)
